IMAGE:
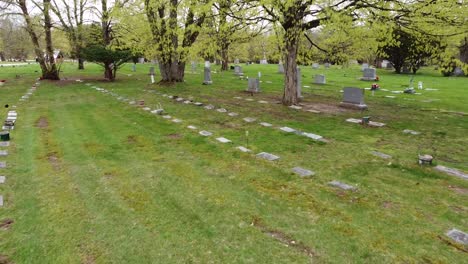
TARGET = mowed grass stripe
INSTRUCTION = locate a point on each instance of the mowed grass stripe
(175, 208)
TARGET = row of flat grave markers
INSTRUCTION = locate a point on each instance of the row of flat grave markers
(264, 155)
(455, 234)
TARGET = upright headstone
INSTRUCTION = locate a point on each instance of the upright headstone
(152, 73)
(369, 74)
(315, 66)
(353, 98)
(238, 70)
(236, 61)
(133, 67)
(320, 79)
(405, 69)
(364, 66)
(327, 65)
(207, 76)
(280, 68)
(254, 85)
(264, 61)
(141, 60)
(299, 83)
(420, 85)
(458, 72)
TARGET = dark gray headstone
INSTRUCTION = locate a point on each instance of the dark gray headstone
(151, 70)
(369, 74)
(327, 65)
(353, 98)
(320, 79)
(254, 85)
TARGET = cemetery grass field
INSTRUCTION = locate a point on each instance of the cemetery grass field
(91, 179)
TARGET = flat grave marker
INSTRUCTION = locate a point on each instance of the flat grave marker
(249, 119)
(267, 156)
(458, 236)
(303, 172)
(3, 164)
(223, 140)
(451, 171)
(381, 155)
(243, 149)
(287, 129)
(205, 133)
(341, 185)
(2, 179)
(265, 124)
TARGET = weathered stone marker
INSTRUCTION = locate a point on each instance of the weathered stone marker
(253, 85)
(458, 236)
(299, 83)
(207, 80)
(280, 68)
(320, 79)
(369, 74)
(302, 172)
(353, 98)
(267, 156)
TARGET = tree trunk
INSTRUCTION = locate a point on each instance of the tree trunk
(109, 72)
(290, 68)
(172, 72)
(80, 63)
(224, 56)
(52, 71)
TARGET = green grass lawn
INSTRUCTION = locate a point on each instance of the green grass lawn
(91, 179)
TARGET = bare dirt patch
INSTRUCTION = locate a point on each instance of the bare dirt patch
(325, 108)
(53, 159)
(6, 223)
(174, 136)
(132, 139)
(5, 260)
(42, 122)
(284, 238)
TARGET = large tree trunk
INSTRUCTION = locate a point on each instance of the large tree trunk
(49, 71)
(80, 63)
(290, 66)
(109, 72)
(224, 56)
(52, 72)
(172, 72)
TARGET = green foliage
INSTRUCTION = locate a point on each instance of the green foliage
(410, 48)
(103, 55)
(447, 66)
